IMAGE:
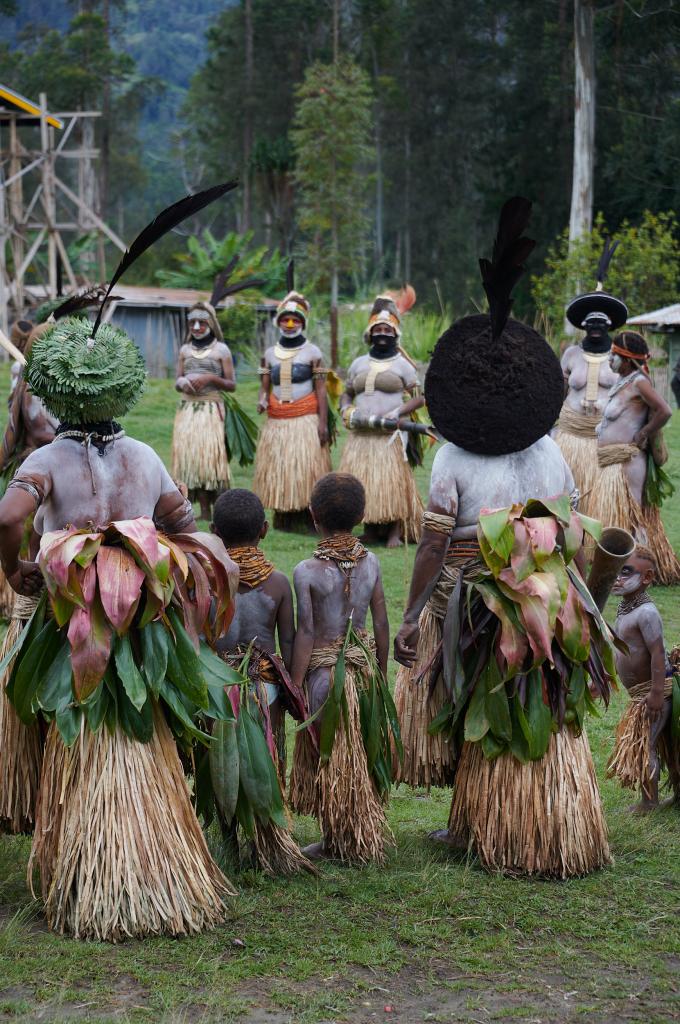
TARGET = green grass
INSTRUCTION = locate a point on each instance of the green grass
(430, 935)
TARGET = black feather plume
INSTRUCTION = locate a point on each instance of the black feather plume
(608, 251)
(221, 280)
(503, 271)
(290, 276)
(165, 221)
(240, 286)
(82, 300)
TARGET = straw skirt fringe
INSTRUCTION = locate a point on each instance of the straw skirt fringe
(377, 460)
(120, 851)
(199, 453)
(303, 794)
(614, 505)
(542, 818)
(629, 763)
(20, 753)
(351, 814)
(580, 454)
(428, 760)
(6, 597)
(288, 462)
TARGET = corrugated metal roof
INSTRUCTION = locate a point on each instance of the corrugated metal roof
(179, 298)
(667, 316)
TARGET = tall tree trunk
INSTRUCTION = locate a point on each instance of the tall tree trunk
(334, 274)
(336, 30)
(581, 218)
(379, 200)
(247, 113)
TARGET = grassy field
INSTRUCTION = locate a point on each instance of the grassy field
(428, 937)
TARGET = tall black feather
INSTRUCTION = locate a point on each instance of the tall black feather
(221, 280)
(605, 259)
(165, 221)
(82, 300)
(503, 271)
(290, 276)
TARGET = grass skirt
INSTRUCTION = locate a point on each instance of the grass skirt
(542, 818)
(303, 793)
(377, 460)
(288, 463)
(629, 763)
(6, 597)
(120, 851)
(580, 453)
(428, 760)
(199, 453)
(614, 505)
(20, 745)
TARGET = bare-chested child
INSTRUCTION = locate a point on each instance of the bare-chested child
(339, 585)
(644, 741)
(264, 605)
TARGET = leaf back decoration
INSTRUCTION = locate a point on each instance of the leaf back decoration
(165, 221)
(503, 271)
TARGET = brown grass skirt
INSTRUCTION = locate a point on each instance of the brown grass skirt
(541, 818)
(580, 454)
(20, 753)
(303, 793)
(377, 460)
(288, 462)
(351, 814)
(629, 763)
(199, 453)
(614, 505)
(428, 760)
(120, 851)
(6, 597)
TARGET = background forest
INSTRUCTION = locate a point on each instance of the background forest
(461, 103)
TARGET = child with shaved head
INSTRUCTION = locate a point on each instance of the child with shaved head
(644, 736)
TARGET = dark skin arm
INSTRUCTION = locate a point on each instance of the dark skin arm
(169, 505)
(659, 413)
(304, 635)
(653, 638)
(429, 560)
(15, 508)
(381, 626)
(322, 399)
(285, 625)
(410, 406)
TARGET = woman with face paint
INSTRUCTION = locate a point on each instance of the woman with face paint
(293, 449)
(631, 422)
(588, 378)
(204, 370)
(383, 383)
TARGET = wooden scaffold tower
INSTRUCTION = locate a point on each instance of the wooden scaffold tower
(39, 203)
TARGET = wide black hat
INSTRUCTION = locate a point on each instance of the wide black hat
(599, 305)
(494, 385)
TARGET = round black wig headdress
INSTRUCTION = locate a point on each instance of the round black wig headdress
(598, 306)
(494, 385)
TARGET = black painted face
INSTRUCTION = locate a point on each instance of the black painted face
(383, 344)
(597, 340)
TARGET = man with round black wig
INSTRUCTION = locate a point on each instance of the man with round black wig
(469, 643)
(631, 451)
(588, 378)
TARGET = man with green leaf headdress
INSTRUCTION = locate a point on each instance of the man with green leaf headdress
(501, 643)
(114, 656)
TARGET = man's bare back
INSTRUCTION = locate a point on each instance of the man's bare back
(79, 487)
(462, 483)
(258, 610)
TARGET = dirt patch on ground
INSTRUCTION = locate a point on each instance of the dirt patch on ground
(415, 994)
